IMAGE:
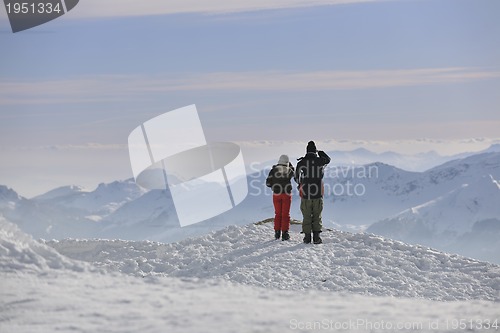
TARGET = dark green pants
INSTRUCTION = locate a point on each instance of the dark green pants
(311, 212)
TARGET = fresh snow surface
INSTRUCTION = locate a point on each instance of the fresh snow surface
(358, 263)
(44, 291)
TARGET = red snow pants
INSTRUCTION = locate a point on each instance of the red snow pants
(282, 203)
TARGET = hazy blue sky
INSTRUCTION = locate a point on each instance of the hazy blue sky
(257, 70)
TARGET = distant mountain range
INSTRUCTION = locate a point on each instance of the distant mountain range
(389, 190)
(418, 162)
(410, 162)
(465, 220)
(455, 207)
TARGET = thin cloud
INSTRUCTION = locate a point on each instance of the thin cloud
(112, 8)
(119, 88)
(322, 80)
(91, 146)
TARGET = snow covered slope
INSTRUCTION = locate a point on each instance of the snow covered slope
(448, 216)
(444, 221)
(388, 190)
(44, 291)
(19, 252)
(358, 263)
(483, 241)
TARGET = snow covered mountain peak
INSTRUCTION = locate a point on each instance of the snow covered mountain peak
(60, 192)
(102, 201)
(494, 148)
(116, 185)
(8, 194)
(475, 163)
(471, 202)
(442, 220)
(9, 199)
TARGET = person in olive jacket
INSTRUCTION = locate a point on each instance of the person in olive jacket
(279, 180)
(309, 176)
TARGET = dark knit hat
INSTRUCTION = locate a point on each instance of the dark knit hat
(311, 147)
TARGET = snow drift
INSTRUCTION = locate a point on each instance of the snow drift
(209, 284)
(346, 262)
(19, 252)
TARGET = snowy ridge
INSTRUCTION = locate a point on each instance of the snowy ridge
(9, 199)
(389, 190)
(358, 263)
(441, 221)
(44, 291)
(19, 252)
(8, 194)
(104, 200)
(59, 192)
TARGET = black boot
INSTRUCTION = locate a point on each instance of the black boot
(285, 236)
(277, 234)
(307, 237)
(316, 238)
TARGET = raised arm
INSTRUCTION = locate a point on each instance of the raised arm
(324, 157)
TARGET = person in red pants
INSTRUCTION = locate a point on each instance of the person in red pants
(279, 180)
